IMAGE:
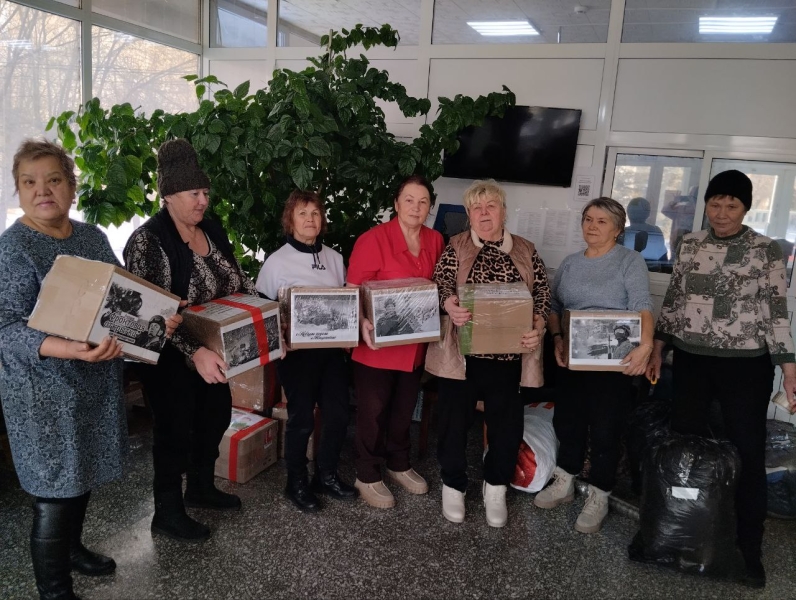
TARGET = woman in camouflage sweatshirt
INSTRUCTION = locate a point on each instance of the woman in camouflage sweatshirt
(726, 314)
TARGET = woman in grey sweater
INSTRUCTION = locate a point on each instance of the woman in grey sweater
(592, 405)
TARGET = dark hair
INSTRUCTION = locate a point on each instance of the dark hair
(35, 149)
(418, 180)
(609, 205)
(296, 199)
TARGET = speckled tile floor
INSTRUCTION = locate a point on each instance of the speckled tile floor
(270, 550)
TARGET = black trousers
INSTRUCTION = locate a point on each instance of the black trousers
(743, 387)
(190, 418)
(497, 383)
(591, 409)
(311, 377)
(386, 399)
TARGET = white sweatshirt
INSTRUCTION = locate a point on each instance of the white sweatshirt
(289, 267)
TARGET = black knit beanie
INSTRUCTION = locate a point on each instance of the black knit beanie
(731, 183)
(178, 168)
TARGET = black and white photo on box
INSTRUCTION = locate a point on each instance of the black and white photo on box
(319, 316)
(122, 317)
(240, 345)
(272, 332)
(603, 340)
(405, 315)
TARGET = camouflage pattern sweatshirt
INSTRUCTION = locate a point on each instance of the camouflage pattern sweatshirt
(728, 297)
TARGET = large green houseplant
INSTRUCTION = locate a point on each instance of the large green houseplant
(319, 129)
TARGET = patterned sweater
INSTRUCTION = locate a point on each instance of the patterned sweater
(727, 297)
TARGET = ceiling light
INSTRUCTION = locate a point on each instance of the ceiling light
(503, 27)
(747, 25)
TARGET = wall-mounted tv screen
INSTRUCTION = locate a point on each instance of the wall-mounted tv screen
(530, 144)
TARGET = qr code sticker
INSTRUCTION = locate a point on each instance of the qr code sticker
(583, 190)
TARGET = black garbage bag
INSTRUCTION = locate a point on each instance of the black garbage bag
(647, 426)
(781, 462)
(687, 513)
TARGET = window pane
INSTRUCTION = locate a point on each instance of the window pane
(40, 70)
(659, 194)
(773, 211)
(303, 22)
(238, 23)
(143, 73)
(519, 22)
(677, 21)
(179, 18)
(75, 3)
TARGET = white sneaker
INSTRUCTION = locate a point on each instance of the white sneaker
(562, 490)
(452, 504)
(495, 504)
(590, 519)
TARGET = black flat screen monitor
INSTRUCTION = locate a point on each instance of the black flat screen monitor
(530, 144)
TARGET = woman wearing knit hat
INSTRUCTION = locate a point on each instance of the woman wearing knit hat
(726, 314)
(181, 250)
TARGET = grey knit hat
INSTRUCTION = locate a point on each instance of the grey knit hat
(178, 168)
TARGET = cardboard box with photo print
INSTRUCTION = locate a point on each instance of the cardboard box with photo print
(243, 330)
(320, 317)
(402, 311)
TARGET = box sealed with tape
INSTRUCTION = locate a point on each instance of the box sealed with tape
(243, 330)
(88, 300)
(249, 446)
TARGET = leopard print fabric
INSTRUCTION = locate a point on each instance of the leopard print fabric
(492, 266)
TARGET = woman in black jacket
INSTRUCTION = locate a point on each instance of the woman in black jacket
(182, 251)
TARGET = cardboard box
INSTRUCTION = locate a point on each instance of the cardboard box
(256, 389)
(279, 412)
(502, 313)
(600, 340)
(320, 317)
(247, 448)
(88, 300)
(243, 330)
(403, 311)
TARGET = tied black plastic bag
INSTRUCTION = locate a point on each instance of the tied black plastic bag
(687, 514)
(647, 426)
(781, 467)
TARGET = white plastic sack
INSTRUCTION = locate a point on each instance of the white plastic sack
(538, 453)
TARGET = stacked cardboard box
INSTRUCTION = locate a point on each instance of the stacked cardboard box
(248, 447)
(256, 389)
(243, 330)
(320, 317)
(402, 311)
(88, 300)
(502, 313)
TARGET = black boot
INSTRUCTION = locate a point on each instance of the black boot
(300, 494)
(329, 483)
(82, 559)
(49, 549)
(201, 491)
(755, 576)
(171, 520)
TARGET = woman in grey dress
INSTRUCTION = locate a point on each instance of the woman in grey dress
(62, 400)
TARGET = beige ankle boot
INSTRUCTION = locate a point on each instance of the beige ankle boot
(560, 491)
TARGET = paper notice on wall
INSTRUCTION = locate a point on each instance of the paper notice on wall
(556, 228)
(576, 241)
(529, 224)
(582, 191)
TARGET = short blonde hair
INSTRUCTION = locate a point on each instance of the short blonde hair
(481, 188)
(615, 211)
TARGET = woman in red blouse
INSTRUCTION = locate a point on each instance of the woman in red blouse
(387, 380)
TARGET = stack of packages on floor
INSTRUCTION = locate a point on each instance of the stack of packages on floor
(244, 331)
(87, 300)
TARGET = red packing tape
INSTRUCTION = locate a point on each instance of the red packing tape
(233, 447)
(259, 326)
